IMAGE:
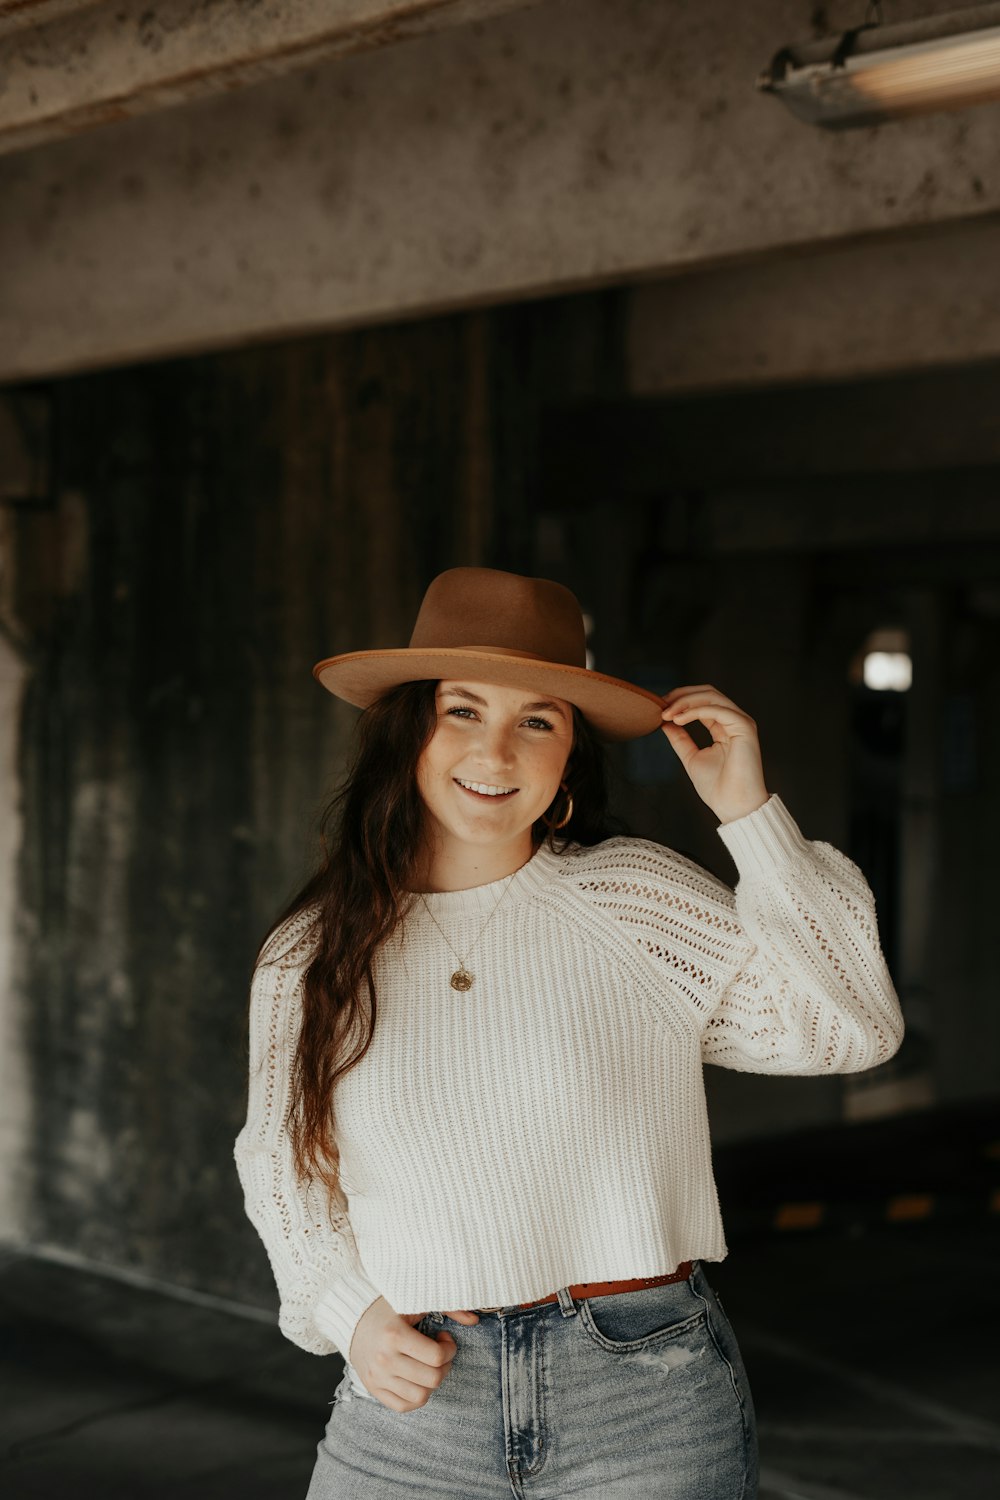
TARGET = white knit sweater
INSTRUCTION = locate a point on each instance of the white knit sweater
(548, 1126)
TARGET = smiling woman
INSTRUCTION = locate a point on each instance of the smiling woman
(489, 771)
(490, 1187)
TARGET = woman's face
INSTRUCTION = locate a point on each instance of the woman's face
(512, 743)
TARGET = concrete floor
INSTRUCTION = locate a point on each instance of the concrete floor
(871, 1355)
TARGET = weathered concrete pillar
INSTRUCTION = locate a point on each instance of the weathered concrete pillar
(15, 1097)
(215, 527)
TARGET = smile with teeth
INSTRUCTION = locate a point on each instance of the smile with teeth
(482, 790)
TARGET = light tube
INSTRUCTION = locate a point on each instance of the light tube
(880, 73)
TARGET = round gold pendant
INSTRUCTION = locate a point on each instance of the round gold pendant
(461, 979)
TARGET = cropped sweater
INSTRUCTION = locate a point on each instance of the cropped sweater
(548, 1126)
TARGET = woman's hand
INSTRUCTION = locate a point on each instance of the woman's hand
(399, 1366)
(728, 774)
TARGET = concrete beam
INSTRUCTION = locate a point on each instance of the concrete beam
(16, 15)
(856, 310)
(568, 145)
(88, 65)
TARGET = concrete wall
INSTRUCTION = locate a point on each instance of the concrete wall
(15, 1099)
(567, 144)
(760, 537)
(214, 527)
(866, 308)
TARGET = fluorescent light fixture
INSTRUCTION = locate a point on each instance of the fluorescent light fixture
(876, 73)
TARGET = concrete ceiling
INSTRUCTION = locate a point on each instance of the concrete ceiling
(16, 15)
(70, 65)
(565, 145)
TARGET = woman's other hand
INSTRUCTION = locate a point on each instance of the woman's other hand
(728, 774)
(400, 1366)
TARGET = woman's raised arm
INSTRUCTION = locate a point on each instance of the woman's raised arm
(810, 992)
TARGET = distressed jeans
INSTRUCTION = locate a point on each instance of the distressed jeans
(637, 1395)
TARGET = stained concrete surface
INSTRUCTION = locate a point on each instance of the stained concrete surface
(563, 145)
(72, 72)
(871, 1356)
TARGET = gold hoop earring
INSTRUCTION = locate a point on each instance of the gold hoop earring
(553, 827)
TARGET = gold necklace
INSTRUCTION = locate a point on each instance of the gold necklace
(462, 979)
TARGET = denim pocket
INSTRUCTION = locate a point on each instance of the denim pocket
(626, 1321)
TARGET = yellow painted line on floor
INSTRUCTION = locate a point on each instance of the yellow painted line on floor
(799, 1216)
(910, 1206)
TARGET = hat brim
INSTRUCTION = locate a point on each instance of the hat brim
(617, 710)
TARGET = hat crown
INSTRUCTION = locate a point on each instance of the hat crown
(487, 609)
(494, 627)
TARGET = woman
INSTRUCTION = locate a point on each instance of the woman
(476, 1144)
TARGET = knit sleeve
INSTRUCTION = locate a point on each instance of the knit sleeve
(809, 991)
(322, 1287)
(784, 975)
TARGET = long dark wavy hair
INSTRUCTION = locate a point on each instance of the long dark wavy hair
(371, 835)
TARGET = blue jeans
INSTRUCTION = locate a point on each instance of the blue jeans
(633, 1396)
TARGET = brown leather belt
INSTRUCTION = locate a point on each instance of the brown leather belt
(584, 1289)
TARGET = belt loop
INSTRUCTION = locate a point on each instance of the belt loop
(566, 1304)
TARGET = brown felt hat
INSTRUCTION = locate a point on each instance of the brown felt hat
(501, 628)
